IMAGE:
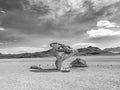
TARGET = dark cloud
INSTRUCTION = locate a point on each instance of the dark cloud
(6, 36)
(29, 24)
(10, 4)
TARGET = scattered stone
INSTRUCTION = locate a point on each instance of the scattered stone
(35, 67)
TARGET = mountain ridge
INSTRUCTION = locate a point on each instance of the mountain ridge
(81, 51)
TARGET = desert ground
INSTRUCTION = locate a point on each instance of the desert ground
(103, 73)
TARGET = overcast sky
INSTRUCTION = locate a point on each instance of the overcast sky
(30, 25)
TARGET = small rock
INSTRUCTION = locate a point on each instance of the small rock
(35, 67)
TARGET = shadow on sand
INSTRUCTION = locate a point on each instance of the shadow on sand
(44, 70)
(55, 70)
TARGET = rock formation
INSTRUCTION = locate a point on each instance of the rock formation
(79, 63)
(61, 52)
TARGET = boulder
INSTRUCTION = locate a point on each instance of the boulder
(35, 67)
(79, 63)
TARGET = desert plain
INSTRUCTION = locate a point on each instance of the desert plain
(102, 73)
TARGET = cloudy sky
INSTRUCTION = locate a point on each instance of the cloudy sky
(30, 25)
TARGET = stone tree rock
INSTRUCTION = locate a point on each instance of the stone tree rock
(61, 52)
(79, 63)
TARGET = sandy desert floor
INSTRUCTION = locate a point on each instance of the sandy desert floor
(16, 75)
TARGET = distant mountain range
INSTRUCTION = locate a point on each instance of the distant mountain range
(113, 50)
(81, 51)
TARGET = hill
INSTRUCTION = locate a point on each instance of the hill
(81, 51)
(93, 51)
(28, 55)
(115, 50)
